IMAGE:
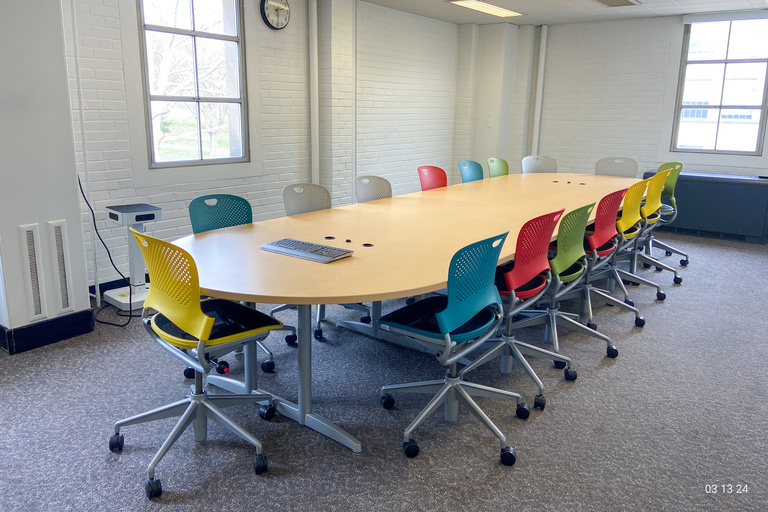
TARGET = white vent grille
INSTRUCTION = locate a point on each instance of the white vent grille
(30, 243)
(60, 263)
(619, 3)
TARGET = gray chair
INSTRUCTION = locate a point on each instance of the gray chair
(371, 188)
(305, 198)
(537, 163)
(617, 166)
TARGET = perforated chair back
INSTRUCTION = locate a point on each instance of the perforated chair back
(432, 177)
(497, 167)
(215, 211)
(471, 285)
(470, 171)
(532, 249)
(652, 202)
(616, 166)
(305, 197)
(570, 239)
(630, 209)
(536, 163)
(371, 188)
(674, 169)
(175, 290)
(604, 228)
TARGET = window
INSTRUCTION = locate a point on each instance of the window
(194, 80)
(721, 105)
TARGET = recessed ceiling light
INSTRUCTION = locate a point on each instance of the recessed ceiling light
(487, 8)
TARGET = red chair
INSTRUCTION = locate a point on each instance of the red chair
(524, 281)
(432, 177)
(601, 246)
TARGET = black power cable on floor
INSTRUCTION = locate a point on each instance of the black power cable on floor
(130, 314)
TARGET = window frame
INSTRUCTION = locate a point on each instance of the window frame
(148, 97)
(678, 114)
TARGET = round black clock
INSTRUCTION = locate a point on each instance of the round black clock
(275, 13)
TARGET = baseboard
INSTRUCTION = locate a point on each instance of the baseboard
(46, 332)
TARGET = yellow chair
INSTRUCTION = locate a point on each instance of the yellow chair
(668, 212)
(194, 331)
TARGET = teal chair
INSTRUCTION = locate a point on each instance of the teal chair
(470, 171)
(497, 167)
(453, 325)
(217, 211)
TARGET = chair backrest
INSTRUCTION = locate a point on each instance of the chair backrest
(305, 198)
(570, 239)
(175, 290)
(630, 209)
(605, 219)
(470, 170)
(652, 202)
(370, 188)
(216, 211)
(537, 163)
(531, 249)
(432, 177)
(471, 282)
(497, 167)
(674, 169)
(616, 166)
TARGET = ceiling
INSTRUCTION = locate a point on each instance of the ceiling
(555, 12)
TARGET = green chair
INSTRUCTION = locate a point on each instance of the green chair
(668, 211)
(453, 326)
(497, 167)
(470, 171)
(217, 211)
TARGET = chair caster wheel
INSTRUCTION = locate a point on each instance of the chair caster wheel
(678, 280)
(268, 367)
(684, 263)
(629, 302)
(260, 464)
(116, 443)
(661, 295)
(387, 401)
(153, 488)
(646, 265)
(592, 326)
(291, 339)
(222, 367)
(612, 352)
(523, 411)
(668, 253)
(365, 319)
(410, 448)
(189, 373)
(267, 412)
(559, 365)
(508, 457)
(570, 374)
(639, 321)
(540, 402)
(318, 334)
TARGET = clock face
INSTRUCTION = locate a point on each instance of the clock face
(275, 13)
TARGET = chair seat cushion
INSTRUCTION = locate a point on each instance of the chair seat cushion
(419, 318)
(525, 291)
(572, 272)
(232, 321)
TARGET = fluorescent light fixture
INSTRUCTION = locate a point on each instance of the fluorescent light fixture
(477, 5)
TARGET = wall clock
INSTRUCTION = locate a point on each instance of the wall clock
(276, 13)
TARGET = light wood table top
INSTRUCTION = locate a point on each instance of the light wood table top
(412, 239)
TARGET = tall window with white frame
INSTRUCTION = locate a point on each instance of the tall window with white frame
(194, 80)
(721, 101)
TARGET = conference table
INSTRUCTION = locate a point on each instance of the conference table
(402, 247)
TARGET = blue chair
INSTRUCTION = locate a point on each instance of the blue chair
(470, 171)
(453, 325)
(217, 211)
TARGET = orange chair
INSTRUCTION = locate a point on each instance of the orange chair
(432, 177)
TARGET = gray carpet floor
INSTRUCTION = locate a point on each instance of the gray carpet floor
(681, 412)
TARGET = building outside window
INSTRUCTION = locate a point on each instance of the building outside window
(194, 80)
(721, 104)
